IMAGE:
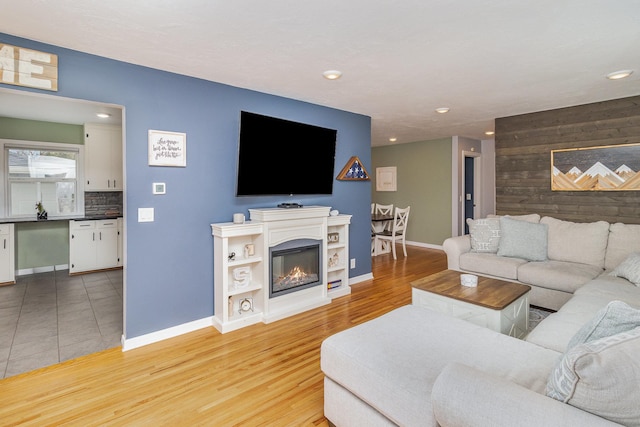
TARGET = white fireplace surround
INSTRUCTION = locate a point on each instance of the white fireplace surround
(284, 225)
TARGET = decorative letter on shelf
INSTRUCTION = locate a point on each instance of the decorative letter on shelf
(353, 171)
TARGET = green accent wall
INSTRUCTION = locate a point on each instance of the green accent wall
(424, 182)
(41, 244)
(33, 130)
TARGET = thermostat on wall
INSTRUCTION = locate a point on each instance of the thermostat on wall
(159, 188)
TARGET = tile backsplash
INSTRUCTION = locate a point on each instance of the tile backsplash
(102, 203)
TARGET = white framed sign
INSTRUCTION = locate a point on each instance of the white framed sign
(167, 148)
(386, 179)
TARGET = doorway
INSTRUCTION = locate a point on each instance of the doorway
(55, 316)
(471, 187)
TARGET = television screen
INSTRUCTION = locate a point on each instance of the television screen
(281, 157)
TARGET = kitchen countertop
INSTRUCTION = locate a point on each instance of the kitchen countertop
(82, 218)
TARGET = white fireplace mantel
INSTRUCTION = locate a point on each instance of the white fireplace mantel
(267, 228)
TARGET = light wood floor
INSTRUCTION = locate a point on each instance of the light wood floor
(262, 375)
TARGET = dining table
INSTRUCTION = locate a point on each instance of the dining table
(378, 223)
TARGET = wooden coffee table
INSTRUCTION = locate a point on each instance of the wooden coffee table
(495, 304)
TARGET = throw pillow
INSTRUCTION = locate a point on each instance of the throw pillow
(521, 239)
(601, 377)
(612, 319)
(485, 234)
(629, 269)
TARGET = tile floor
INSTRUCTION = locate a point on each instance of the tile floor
(47, 318)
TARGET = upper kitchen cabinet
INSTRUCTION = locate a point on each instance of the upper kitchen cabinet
(103, 157)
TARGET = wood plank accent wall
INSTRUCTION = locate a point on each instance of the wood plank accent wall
(523, 161)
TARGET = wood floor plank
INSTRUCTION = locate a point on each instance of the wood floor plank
(261, 375)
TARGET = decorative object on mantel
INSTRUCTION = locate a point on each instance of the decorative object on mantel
(241, 277)
(386, 179)
(604, 168)
(353, 171)
(42, 213)
(167, 148)
(334, 260)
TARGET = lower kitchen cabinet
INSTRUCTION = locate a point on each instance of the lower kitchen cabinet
(7, 255)
(93, 245)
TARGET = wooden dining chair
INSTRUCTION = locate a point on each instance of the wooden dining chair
(397, 232)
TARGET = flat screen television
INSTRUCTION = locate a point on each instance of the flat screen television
(282, 157)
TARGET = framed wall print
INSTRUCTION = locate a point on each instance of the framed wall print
(386, 179)
(605, 168)
(167, 148)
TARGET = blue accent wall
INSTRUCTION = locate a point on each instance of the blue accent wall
(169, 271)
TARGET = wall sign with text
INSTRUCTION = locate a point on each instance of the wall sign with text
(27, 67)
(167, 148)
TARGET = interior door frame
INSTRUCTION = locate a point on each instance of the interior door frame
(477, 186)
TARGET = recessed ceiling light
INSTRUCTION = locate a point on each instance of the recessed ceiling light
(332, 74)
(103, 115)
(489, 132)
(393, 139)
(616, 75)
(442, 110)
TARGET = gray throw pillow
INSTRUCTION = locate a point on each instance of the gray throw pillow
(615, 317)
(485, 234)
(601, 377)
(629, 269)
(521, 239)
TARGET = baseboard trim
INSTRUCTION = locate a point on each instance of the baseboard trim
(174, 331)
(361, 278)
(45, 269)
(424, 245)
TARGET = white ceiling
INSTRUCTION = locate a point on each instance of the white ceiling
(400, 59)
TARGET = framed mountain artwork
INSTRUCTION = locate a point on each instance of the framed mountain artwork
(605, 168)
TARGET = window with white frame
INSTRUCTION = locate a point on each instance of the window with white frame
(49, 173)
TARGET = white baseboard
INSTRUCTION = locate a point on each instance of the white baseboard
(174, 331)
(45, 269)
(424, 245)
(361, 278)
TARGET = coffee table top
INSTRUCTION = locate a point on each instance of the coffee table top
(495, 294)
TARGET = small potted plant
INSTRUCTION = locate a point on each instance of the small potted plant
(42, 214)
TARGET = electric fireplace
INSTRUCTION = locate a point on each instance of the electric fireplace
(295, 265)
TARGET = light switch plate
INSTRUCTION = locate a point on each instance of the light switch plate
(145, 214)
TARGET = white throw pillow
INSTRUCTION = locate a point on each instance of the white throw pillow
(615, 317)
(601, 377)
(485, 234)
(629, 269)
(521, 239)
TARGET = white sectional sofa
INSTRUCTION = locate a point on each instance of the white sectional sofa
(579, 366)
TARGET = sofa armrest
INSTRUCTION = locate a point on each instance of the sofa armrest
(464, 396)
(454, 247)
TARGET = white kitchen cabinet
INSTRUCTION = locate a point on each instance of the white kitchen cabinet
(93, 245)
(7, 255)
(120, 242)
(103, 157)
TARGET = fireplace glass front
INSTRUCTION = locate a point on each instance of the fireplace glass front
(294, 266)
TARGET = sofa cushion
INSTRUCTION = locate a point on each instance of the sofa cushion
(491, 264)
(558, 275)
(608, 288)
(623, 239)
(615, 317)
(521, 239)
(485, 234)
(391, 362)
(584, 243)
(601, 377)
(629, 269)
